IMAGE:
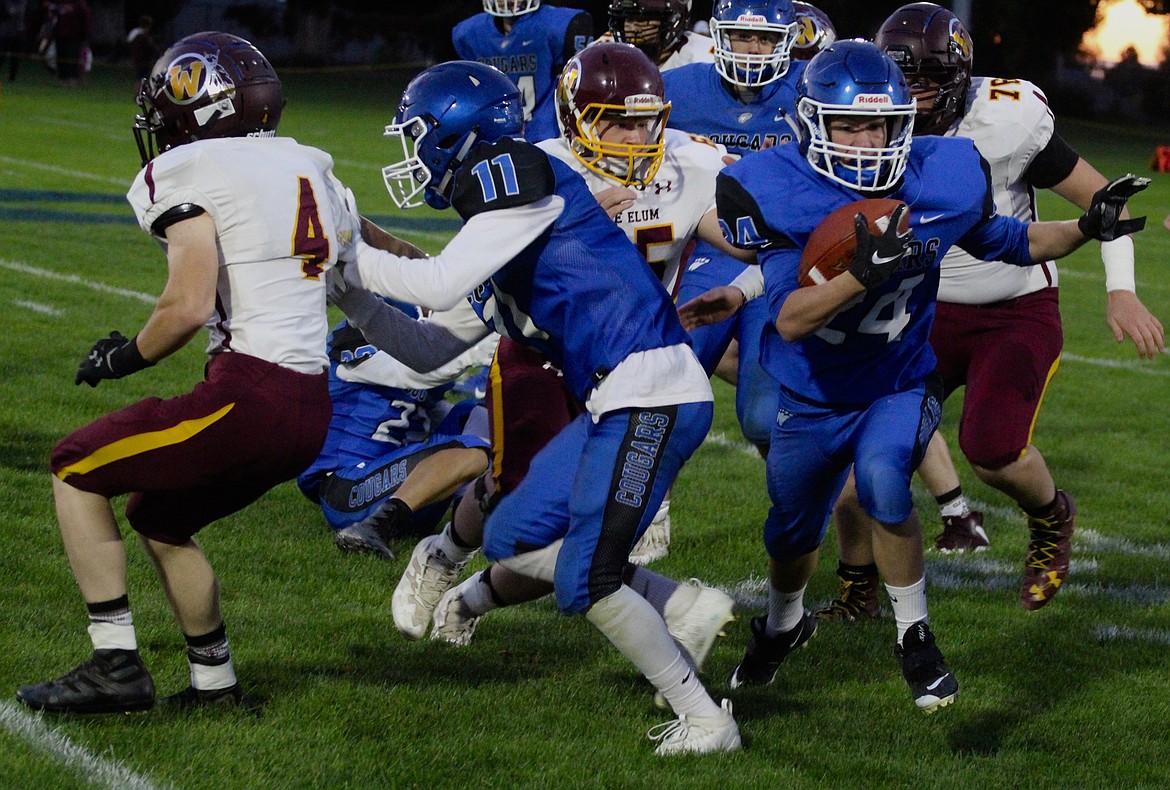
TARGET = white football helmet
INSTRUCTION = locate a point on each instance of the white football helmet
(510, 8)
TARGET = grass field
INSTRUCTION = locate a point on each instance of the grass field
(1074, 695)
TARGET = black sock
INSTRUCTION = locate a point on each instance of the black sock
(856, 573)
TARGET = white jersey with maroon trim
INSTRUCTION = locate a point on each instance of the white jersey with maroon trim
(696, 49)
(667, 212)
(1010, 123)
(277, 209)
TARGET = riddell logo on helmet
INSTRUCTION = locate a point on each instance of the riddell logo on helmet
(752, 19)
(872, 98)
(643, 102)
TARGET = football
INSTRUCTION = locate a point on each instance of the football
(830, 248)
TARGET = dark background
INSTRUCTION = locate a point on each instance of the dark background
(1036, 40)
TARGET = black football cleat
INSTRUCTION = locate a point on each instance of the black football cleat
(110, 681)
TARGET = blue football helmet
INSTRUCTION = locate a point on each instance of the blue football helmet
(753, 17)
(856, 79)
(444, 112)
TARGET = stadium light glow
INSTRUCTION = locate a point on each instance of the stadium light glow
(1125, 23)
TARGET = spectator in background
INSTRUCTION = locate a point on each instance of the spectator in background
(11, 35)
(142, 48)
(73, 29)
(1127, 82)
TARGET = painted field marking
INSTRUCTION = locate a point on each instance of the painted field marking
(33, 730)
(64, 171)
(24, 268)
(37, 307)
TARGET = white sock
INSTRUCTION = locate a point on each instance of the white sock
(639, 633)
(956, 507)
(785, 610)
(477, 595)
(453, 551)
(909, 605)
(210, 678)
(113, 636)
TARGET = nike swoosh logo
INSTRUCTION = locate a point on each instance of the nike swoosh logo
(934, 685)
(930, 218)
(879, 260)
(526, 43)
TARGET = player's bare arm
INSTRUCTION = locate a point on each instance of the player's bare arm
(382, 239)
(1125, 313)
(188, 299)
(709, 231)
(808, 309)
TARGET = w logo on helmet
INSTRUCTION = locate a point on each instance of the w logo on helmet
(192, 76)
(960, 41)
(806, 32)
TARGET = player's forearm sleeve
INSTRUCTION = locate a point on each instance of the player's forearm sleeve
(485, 244)
(417, 344)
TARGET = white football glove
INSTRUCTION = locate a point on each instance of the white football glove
(348, 220)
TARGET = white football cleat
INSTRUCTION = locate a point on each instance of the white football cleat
(428, 575)
(655, 541)
(695, 616)
(698, 735)
(454, 624)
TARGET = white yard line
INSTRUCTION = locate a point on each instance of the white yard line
(33, 730)
(24, 268)
(65, 171)
(1129, 366)
(37, 307)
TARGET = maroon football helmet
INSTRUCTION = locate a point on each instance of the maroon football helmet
(607, 83)
(671, 15)
(814, 30)
(207, 85)
(934, 51)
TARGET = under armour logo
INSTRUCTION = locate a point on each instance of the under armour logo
(659, 187)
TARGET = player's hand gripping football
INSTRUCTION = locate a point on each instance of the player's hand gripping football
(1103, 219)
(111, 358)
(878, 257)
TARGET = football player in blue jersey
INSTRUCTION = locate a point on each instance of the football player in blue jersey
(743, 100)
(531, 44)
(397, 451)
(851, 355)
(997, 331)
(540, 261)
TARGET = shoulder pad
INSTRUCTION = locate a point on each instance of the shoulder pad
(503, 174)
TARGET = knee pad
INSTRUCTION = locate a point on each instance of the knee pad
(540, 564)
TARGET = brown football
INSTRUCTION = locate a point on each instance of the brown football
(830, 248)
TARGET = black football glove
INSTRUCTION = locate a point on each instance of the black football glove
(878, 257)
(111, 358)
(1103, 220)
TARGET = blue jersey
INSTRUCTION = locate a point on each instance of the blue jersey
(532, 54)
(701, 102)
(370, 420)
(875, 345)
(581, 294)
